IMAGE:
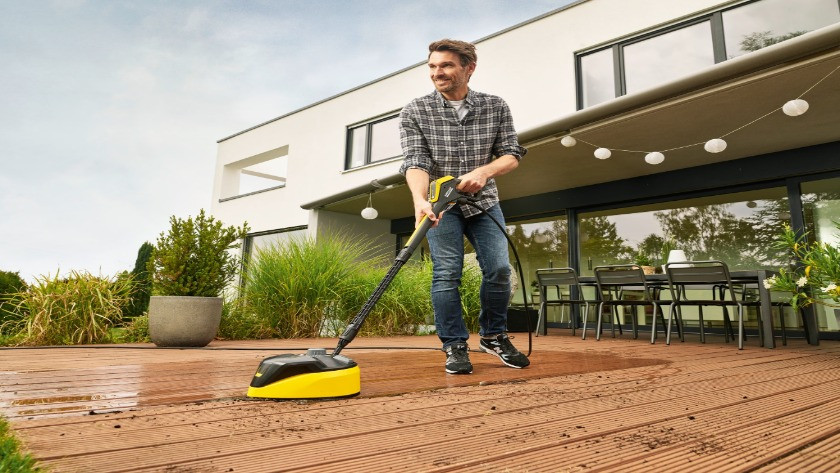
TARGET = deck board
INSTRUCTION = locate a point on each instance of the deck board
(584, 405)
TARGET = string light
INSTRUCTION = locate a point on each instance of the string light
(793, 108)
(654, 158)
(369, 213)
(715, 145)
(568, 141)
(602, 153)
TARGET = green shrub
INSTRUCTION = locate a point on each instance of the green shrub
(10, 283)
(136, 330)
(139, 302)
(79, 309)
(11, 458)
(193, 257)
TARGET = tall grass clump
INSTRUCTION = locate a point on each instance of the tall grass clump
(294, 287)
(12, 459)
(407, 305)
(403, 307)
(78, 309)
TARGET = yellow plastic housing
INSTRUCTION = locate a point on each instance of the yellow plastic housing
(328, 384)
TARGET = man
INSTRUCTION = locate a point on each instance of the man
(456, 131)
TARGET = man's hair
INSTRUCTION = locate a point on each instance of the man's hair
(465, 50)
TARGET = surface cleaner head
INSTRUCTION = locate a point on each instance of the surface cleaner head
(314, 375)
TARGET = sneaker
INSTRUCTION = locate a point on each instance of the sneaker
(458, 359)
(500, 346)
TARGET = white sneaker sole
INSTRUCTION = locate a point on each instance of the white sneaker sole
(458, 372)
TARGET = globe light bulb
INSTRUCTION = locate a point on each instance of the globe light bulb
(568, 141)
(602, 153)
(715, 145)
(654, 158)
(369, 213)
(795, 107)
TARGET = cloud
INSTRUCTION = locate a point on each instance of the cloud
(111, 110)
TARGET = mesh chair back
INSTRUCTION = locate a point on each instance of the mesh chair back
(557, 277)
(709, 273)
(621, 275)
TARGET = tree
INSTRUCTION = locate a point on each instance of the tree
(142, 282)
(10, 283)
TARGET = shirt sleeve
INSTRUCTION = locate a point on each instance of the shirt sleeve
(507, 142)
(414, 146)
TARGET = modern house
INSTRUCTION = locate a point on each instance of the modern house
(642, 86)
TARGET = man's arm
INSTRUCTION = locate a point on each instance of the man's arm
(476, 179)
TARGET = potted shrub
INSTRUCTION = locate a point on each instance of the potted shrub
(645, 262)
(816, 278)
(191, 265)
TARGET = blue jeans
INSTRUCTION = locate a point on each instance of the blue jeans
(446, 242)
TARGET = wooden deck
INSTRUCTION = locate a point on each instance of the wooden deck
(609, 405)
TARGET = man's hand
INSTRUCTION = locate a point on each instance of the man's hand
(418, 183)
(473, 181)
(421, 209)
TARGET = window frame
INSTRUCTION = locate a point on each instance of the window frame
(368, 148)
(718, 47)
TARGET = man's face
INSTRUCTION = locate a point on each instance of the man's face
(448, 75)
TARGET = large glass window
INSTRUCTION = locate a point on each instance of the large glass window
(597, 77)
(679, 50)
(821, 206)
(737, 229)
(668, 56)
(255, 243)
(759, 24)
(374, 141)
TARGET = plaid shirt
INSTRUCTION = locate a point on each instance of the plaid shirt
(434, 140)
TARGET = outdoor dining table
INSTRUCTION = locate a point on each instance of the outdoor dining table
(748, 277)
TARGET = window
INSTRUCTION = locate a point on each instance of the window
(374, 141)
(737, 229)
(821, 206)
(676, 51)
(262, 240)
(667, 56)
(597, 81)
(759, 24)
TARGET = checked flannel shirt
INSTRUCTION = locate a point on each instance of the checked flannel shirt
(434, 140)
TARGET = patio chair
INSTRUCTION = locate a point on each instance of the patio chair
(565, 282)
(613, 283)
(748, 292)
(713, 275)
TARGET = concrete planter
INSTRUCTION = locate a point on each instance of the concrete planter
(184, 321)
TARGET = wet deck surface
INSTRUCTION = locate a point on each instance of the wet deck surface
(609, 405)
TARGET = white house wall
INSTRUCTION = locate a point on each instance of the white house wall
(532, 67)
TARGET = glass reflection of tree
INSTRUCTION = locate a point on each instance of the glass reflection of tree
(710, 233)
(767, 221)
(547, 242)
(762, 39)
(713, 232)
(600, 243)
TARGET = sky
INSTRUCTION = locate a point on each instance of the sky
(110, 110)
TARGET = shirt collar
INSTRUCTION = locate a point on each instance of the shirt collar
(470, 99)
